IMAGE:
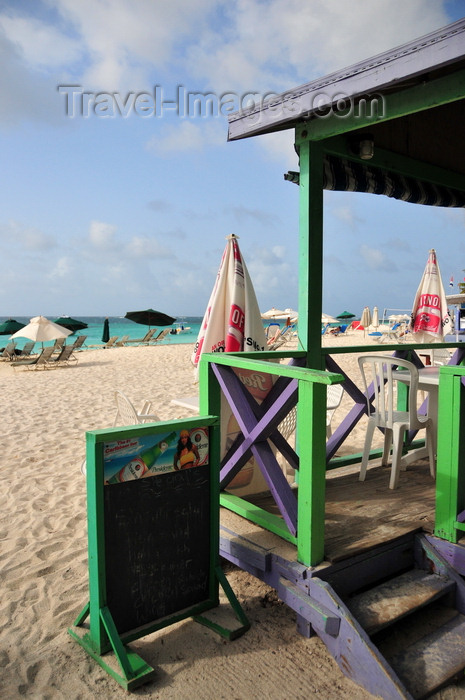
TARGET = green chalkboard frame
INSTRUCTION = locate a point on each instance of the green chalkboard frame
(94, 628)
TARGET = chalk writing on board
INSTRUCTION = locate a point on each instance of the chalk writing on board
(157, 546)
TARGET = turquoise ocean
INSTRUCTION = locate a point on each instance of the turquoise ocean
(120, 327)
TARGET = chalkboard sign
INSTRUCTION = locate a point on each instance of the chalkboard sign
(157, 554)
(153, 531)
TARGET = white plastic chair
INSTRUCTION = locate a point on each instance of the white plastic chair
(380, 370)
(334, 394)
(126, 413)
(440, 356)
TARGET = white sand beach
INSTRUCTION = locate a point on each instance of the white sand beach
(43, 558)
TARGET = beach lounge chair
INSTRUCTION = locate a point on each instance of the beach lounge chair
(26, 351)
(122, 341)
(79, 342)
(160, 336)
(63, 358)
(38, 362)
(8, 352)
(392, 333)
(109, 344)
(58, 345)
(126, 413)
(145, 340)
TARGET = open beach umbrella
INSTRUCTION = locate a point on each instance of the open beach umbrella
(430, 320)
(72, 324)
(273, 314)
(281, 315)
(232, 320)
(345, 316)
(325, 318)
(10, 326)
(106, 331)
(41, 329)
(150, 317)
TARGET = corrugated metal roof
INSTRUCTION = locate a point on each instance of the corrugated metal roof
(435, 51)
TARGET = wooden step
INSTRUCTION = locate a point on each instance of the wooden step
(432, 661)
(390, 601)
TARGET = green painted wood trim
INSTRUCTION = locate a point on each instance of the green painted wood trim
(259, 516)
(143, 673)
(311, 412)
(226, 632)
(311, 251)
(96, 542)
(417, 98)
(450, 458)
(303, 374)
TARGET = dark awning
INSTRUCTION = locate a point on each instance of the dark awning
(343, 175)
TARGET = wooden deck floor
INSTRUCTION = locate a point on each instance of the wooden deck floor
(359, 515)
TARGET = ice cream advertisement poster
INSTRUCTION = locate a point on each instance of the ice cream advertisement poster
(152, 455)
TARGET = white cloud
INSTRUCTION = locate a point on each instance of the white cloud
(147, 248)
(375, 259)
(61, 270)
(25, 237)
(101, 235)
(41, 44)
(187, 136)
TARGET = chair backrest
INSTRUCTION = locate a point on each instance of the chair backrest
(334, 396)
(79, 341)
(111, 342)
(378, 374)
(122, 341)
(161, 335)
(59, 342)
(45, 355)
(9, 350)
(65, 353)
(126, 413)
(439, 357)
(27, 349)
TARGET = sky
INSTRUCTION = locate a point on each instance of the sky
(111, 204)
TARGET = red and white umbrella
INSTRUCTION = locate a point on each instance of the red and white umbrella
(232, 320)
(430, 320)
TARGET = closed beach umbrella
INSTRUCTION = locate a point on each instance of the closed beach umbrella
(150, 317)
(366, 319)
(106, 331)
(10, 326)
(232, 320)
(375, 318)
(430, 320)
(41, 329)
(72, 324)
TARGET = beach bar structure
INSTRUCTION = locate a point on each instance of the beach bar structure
(347, 564)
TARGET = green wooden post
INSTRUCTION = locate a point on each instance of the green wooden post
(450, 479)
(98, 638)
(310, 247)
(311, 412)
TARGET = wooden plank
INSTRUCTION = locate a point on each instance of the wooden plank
(390, 601)
(433, 660)
(362, 515)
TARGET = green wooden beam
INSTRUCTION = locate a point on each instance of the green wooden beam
(311, 252)
(417, 98)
